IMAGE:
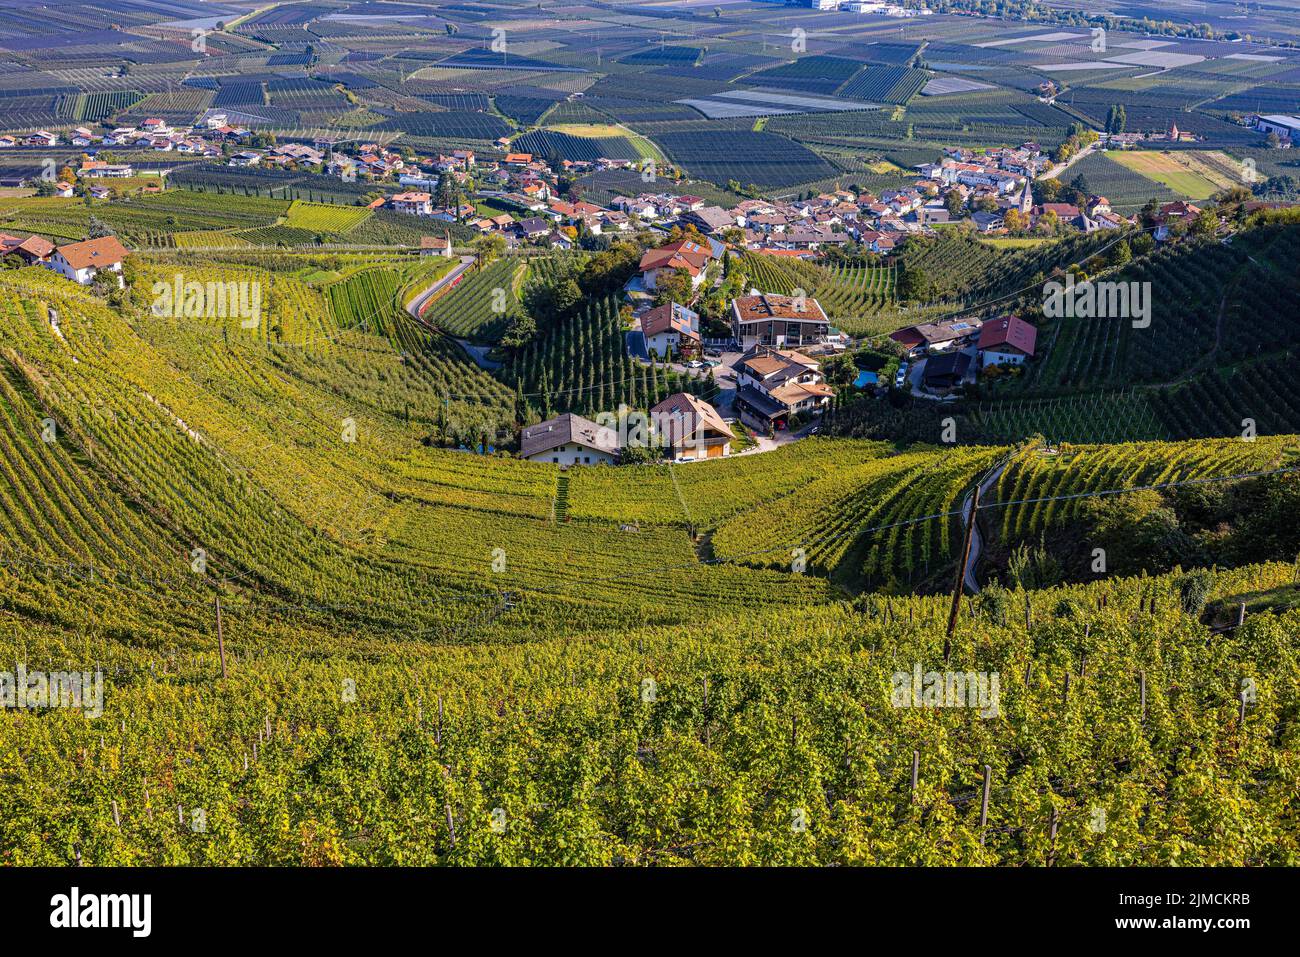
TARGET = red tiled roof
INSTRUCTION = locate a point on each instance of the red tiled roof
(1008, 332)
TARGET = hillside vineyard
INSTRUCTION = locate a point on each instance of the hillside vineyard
(779, 434)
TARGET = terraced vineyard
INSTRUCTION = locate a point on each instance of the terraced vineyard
(1035, 476)
(825, 524)
(858, 298)
(1094, 418)
(583, 367)
(482, 305)
(1209, 303)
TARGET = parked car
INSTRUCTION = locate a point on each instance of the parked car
(901, 377)
(695, 364)
(713, 363)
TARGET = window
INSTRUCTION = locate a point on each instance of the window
(586, 460)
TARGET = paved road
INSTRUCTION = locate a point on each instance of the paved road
(417, 305)
(1056, 171)
(976, 542)
(479, 354)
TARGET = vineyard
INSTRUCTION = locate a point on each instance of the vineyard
(858, 298)
(583, 367)
(483, 304)
(1036, 476)
(1209, 303)
(686, 745)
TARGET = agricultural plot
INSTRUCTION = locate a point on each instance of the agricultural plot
(948, 85)
(857, 298)
(1180, 171)
(1208, 303)
(664, 56)
(1035, 480)
(324, 218)
(885, 84)
(1126, 189)
(1219, 401)
(450, 124)
(1096, 418)
(525, 110)
(733, 103)
(483, 304)
(808, 74)
(562, 146)
(747, 157)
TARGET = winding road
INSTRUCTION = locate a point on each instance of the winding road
(417, 305)
(976, 543)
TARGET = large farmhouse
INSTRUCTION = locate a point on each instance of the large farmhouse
(569, 440)
(773, 385)
(82, 262)
(766, 319)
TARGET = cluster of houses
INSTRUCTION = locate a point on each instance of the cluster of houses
(81, 262)
(952, 353)
(152, 134)
(874, 7)
(685, 426)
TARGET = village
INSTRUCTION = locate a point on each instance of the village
(765, 357)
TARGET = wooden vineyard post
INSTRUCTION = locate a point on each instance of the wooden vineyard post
(984, 801)
(1142, 692)
(1241, 614)
(916, 772)
(221, 639)
(961, 575)
(1056, 820)
(707, 736)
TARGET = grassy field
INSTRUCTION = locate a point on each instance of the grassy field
(1180, 171)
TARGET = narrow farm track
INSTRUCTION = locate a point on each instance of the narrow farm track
(417, 305)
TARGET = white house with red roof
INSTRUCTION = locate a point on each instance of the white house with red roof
(684, 254)
(416, 204)
(1007, 340)
(671, 329)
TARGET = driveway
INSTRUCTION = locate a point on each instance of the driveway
(636, 346)
(479, 354)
